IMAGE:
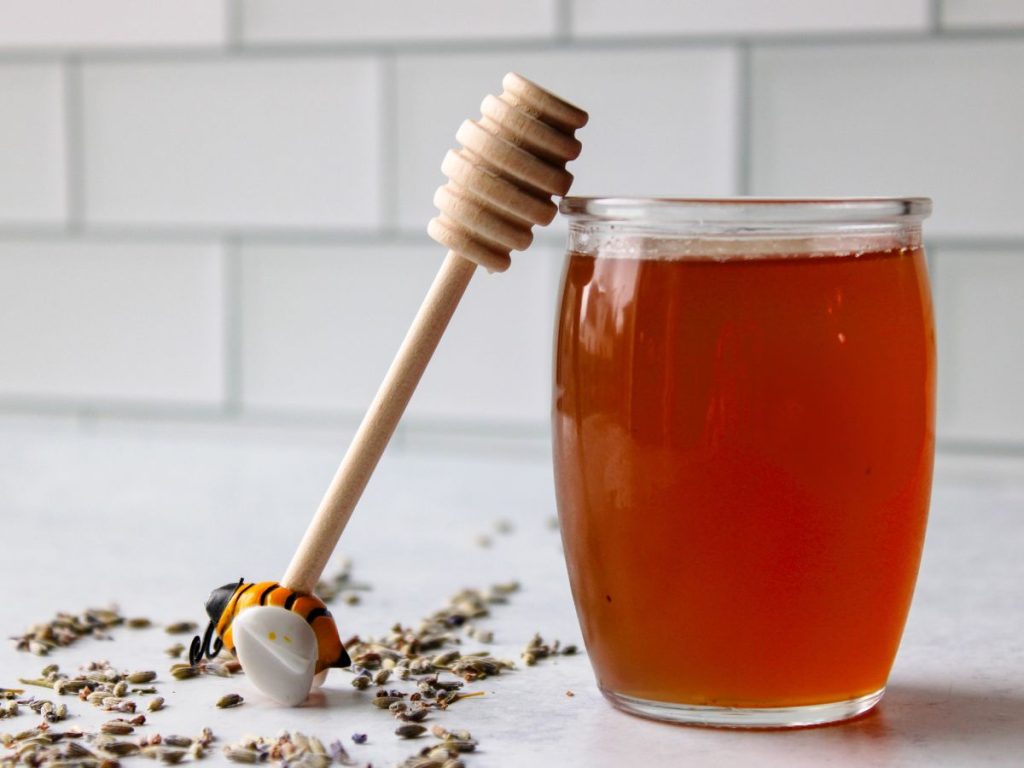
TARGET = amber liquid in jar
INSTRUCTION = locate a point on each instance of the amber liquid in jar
(743, 454)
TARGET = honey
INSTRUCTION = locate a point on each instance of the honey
(743, 453)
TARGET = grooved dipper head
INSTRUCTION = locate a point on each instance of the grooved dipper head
(500, 182)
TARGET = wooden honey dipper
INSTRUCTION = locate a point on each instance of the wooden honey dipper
(500, 184)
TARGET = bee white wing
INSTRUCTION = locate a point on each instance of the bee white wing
(277, 650)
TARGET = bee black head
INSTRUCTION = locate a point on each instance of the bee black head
(216, 603)
(219, 599)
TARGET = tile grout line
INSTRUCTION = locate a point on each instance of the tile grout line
(387, 114)
(233, 38)
(935, 16)
(931, 250)
(398, 236)
(469, 45)
(74, 174)
(284, 418)
(744, 91)
(87, 416)
(563, 20)
(143, 233)
(231, 298)
(939, 398)
(981, 447)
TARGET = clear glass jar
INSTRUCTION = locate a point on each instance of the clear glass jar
(743, 423)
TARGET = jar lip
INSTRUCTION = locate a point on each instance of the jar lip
(751, 210)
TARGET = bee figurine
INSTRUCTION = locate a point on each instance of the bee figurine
(225, 603)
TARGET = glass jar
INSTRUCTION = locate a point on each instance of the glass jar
(743, 426)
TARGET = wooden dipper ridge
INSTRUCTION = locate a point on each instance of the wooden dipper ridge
(500, 184)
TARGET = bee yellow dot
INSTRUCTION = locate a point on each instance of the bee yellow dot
(287, 639)
(272, 635)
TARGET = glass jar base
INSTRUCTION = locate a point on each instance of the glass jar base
(746, 717)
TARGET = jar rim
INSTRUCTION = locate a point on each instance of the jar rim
(750, 210)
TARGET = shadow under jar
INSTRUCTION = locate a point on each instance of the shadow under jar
(743, 425)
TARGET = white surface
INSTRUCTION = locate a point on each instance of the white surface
(155, 516)
(661, 122)
(935, 119)
(992, 14)
(115, 321)
(321, 326)
(31, 143)
(286, 142)
(611, 18)
(110, 23)
(981, 368)
(275, 21)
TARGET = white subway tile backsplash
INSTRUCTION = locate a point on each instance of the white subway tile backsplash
(32, 157)
(276, 142)
(111, 23)
(321, 325)
(112, 321)
(661, 123)
(278, 21)
(980, 316)
(941, 119)
(494, 363)
(991, 14)
(206, 118)
(614, 18)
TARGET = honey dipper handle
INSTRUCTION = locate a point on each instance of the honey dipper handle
(379, 424)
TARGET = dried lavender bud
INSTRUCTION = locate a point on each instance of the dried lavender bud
(117, 727)
(414, 714)
(121, 748)
(184, 672)
(241, 755)
(65, 628)
(229, 700)
(338, 752)
(181, 628)
(410, 730)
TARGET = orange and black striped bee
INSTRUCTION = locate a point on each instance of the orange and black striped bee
(225, 603)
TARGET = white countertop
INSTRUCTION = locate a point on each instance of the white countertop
(154, 516)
